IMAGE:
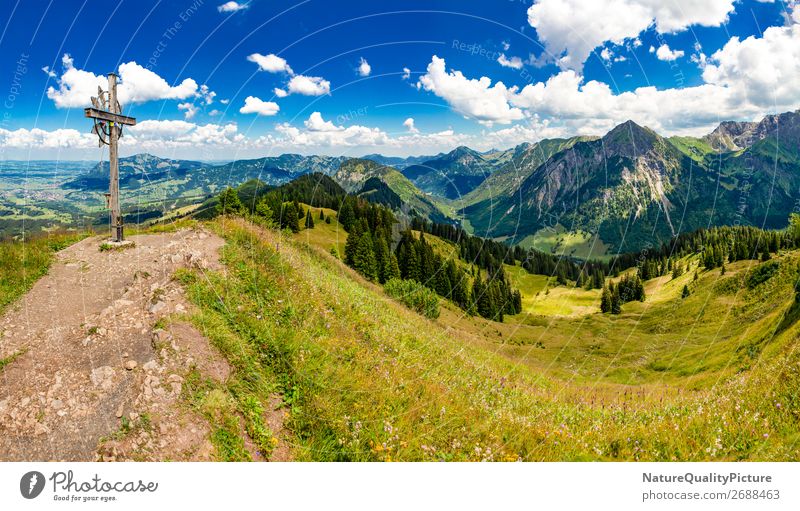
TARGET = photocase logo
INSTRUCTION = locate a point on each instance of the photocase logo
(31, 484)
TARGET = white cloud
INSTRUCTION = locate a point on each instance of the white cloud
(224, 101)
(506, 45)
(409, 124)
(478, 99)
(137, 85)
(232, 7)
(364, 69)
(49, 72)
(321, 133)
(309, 85)
(606, 54)
(206, 94)
(298, 84)
(763, 71)
(315, 122)
(666, 54)
(406, 73)
(744, 80)
(38, 138)
(254, 105)
(270, 63)
(156, 135)
(513, 62)
(571, 29)
(189, 110)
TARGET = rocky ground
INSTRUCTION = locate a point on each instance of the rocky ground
(100, 373)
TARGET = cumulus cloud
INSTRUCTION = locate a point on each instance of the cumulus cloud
(270, 63)
(409, 124)
(232, 7)
(206, 94)
(364, 69)
(666, 54)
(571, 29)
(513, 62)
(254, 105)
(309, 85)
(478, 99)
(745, 79)
(322, 133)
(406, 73)
(38, 138)
(298, 84)
(137, 85)
(49, 72)
(155, 135)
(189, 110)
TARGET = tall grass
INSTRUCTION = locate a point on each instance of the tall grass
(364, 378)
(22, 263)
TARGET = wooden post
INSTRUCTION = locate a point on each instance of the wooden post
(108, 123)
(113, 162)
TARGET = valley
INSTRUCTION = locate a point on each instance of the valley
(610, 298)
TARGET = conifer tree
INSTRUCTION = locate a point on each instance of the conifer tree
(616, 304)
(364, 257)
(605, 300)
(685, 291)
(229, 203)
(290, 219)
(346, 215)
(392, 270)
(322, 214)
(309, 219)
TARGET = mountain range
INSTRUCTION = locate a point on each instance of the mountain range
(583, 196)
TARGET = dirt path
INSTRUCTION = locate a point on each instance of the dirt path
(98, 378)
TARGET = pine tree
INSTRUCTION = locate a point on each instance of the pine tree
(616, 303)
(605, 301)
(290, 219)
(364, 257)
(765, 255)
(263, 210)
(685, 292)
(351, 244)
(309, 219)
(229, 203)
(347, 216)
(392, 270)
(381, 257)
(322, 214)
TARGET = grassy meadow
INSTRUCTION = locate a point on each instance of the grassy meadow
(713, 376)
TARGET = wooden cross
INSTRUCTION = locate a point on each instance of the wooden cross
(108, 123)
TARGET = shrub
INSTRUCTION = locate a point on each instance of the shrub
(414, 295)
(762, 273)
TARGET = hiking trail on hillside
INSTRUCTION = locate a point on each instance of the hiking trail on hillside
(99, 371)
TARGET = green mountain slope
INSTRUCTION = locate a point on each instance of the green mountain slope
(452, 175)
(633, 188)
(462, 388)
(516, 165)
(355, 173)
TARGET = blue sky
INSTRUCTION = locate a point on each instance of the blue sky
(201, 75)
